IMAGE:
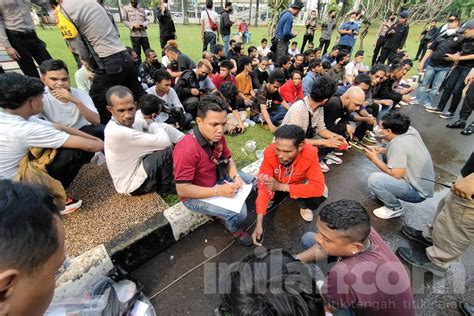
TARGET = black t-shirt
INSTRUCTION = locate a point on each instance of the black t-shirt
(259, 78)
(468, 167)
(444, 45)
(271, 100)
(165, 20)
(467, 49)
(335, 116)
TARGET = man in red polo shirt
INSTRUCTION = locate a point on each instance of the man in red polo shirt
(290, 166)
(224, 75)
(204, 167)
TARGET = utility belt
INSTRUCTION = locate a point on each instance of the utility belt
(30, 34)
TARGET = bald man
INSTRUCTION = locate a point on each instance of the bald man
(338, 108)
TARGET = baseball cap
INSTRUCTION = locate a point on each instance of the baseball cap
(297, 5)
(468, 25)
(404, 14)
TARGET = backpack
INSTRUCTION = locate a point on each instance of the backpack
(212, 24)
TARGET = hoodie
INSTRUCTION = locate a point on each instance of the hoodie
(291, 93)
(304, 176)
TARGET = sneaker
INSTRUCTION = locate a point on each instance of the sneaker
(420, 261)
(333, 159)
(387, 213)
(324, 167)
(447, 115)
(306, 214)
(465, 308)
(242, 237)
(468, 130)
(457, 124)
(355, 144)
(416, 235)
(338, 153)
(432, 109)
(72, 205)
(370, 139)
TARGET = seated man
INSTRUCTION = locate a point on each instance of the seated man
(204, 167)
(244, 81)
(355, 66)
(292, 90)
(182, 60)
(284, 63)
(65, 105)
(297, 64)
(338, 70)
(249, 285)
(84, 76)
(260, 73)
(21, 98)
(316, 69)
(353, 284)
(331, 56)
(138, 162)
(338, 108)
(173, 111)
(408, 165)
(32, 244)
(192, 84)
(224, 75)
(387, 90)
(290, 166)
(236, 113)
(146, 69)
(309, 115)
(269, 104)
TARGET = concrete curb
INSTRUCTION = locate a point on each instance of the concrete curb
(144, 241)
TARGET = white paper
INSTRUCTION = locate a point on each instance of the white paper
(232, 204)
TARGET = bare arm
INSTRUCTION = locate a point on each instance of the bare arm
(75, 132)
(312, 254)
(77, 142)
(266, 117)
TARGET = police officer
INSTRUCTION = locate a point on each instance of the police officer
(85, 25)
(135, 18)
(18, 36)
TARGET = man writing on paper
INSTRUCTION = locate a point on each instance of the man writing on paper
(203, 167)
(290, 166)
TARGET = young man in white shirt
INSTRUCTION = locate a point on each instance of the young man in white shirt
(355, 66)
(209, 27)
(138, 162)
(66, 105)
(21, 98)
(263, 49)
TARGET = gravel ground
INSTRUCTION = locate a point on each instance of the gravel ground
(104, 214)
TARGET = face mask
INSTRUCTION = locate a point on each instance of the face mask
(450, 32)
(231, 10)
(134, 4)
(379, 132)
(202, 77)
(392, 19)
(352, 20)
(155, 62)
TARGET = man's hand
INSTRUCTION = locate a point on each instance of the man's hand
(272, 184)
(333, 142)
(350, 130)
(378, 149)
(231, 127)
(272, 128)
(453, 57)
(227, 190)
(195, 92)
(468, 79)
(420, 66)
(464, 188)
(406, 98)
(63, 95)
(371, 153)
(257, 235)
(242, 127)
(12, 53)
(238, 182)
(370, 120)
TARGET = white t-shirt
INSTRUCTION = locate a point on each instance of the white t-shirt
(17, 134)
(124, 151)
(66, 113)
(171, 98)
(263, 52)
(293, 52)
(353, 69)
(82, 80)
(141, 124)
(214, 17)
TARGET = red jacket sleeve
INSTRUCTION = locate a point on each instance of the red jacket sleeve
(314, 186)
(263, 194)
(286, 91)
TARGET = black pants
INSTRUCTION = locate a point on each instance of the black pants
(306, 38)
(29, 47)
(324, 45)
(67, 164)
(421, 50)
(119, 70)
(159, 168)
(346, 48)
(387, 53)
(164, 39)
(310, 203)
(190, 105)
(378, 46)
(453, 86)
(468, 105)
(138, 43)
(281, 50)
(94, 130)
(361, 129)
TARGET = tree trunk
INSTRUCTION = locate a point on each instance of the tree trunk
(250, 13)
(257, 13)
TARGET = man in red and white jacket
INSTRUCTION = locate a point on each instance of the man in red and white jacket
(290, 166)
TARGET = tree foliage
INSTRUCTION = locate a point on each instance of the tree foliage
(276, 7)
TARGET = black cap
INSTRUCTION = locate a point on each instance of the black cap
(297, 5)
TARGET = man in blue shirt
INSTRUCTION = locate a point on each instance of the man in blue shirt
(348, 31)
(283, 30)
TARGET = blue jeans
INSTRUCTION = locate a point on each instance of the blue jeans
(277, 115)
(209, 38)
(232, 219)
(226, 39)
(434, 77)
(389, 190)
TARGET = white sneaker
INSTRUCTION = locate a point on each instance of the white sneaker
(387, 213)
(324, 167)
(306, 214)
(333, 159)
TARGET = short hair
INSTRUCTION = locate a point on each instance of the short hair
(150, 104)
(16, 89)
(291, 132)
(348, 217)
(209, 4)
(28, 234)
(284, 59)
(341, 55)
(264, 40)
(161, 74)
(359, 53)
(362, 78)
(378, 67)
(397, 122)
(296, 72)
(238, 47)
(228, 4)
(210, 102)
(278, 75)
(294, 43)
(269, 283)
(149, 51)
(322, 89)
(229, 92)
(335, 47)
(299, 55)
(232, 41)
(326, 64)
(218, 48)
(244, 61)
(171, 49)
(205, 63)
(315, 63)
(251, 49)
(264, 58)
(331, 11)
(119, 91)
(395, 66)
(52, 65)
(227, 64)
(407, 62)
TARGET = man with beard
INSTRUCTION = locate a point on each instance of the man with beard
(150, 65)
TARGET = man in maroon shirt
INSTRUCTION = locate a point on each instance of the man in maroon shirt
(204, 167)
(224, 75)
(367, 278)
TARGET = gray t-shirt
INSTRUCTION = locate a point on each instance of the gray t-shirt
(408, 151)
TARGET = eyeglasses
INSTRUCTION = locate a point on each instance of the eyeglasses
(451, 20)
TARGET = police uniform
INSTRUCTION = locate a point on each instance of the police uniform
(85, 25)
(17, 30)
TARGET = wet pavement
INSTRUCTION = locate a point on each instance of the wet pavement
(195, 294)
